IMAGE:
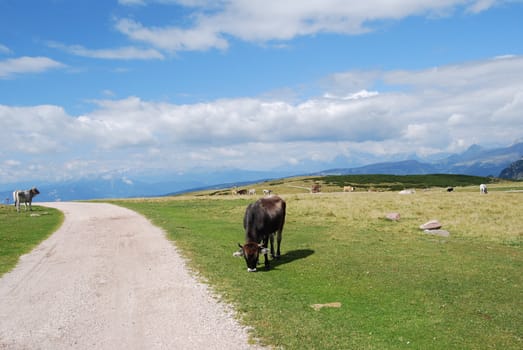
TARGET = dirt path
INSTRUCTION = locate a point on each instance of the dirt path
(109, 279)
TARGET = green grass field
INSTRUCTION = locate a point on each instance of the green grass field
(21, 232)
(396, 287)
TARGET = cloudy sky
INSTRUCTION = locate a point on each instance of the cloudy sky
(165, 86)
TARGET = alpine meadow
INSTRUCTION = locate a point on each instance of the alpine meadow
(349, 278)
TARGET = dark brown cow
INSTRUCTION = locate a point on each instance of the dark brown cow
(262, 220)
(316, 188)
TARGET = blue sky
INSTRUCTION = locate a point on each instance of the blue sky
(133, 87)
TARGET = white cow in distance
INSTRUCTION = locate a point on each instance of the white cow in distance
(483, 189)
(24, 197)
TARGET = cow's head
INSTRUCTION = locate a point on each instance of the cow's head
(34, 191)
(251, 252)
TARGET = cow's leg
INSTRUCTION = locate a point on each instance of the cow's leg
(278, 242)
(272, 245)
(30, 206)
(265, 242)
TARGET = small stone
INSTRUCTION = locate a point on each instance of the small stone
(441, 233)
(318, 307)
(409, 191)
(431, 225)
(393, 216)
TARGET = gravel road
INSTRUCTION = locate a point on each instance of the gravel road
(109, 279)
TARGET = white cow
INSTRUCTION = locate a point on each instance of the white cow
(348, 189)
(25, 197)
(483, 189)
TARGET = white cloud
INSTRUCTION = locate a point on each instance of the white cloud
(131, 2)
(11, 163)
(173, 38)
(4, 50)
(457, 119)
(443, 109)
(480, 5)
(108, 93)
(268, 20)
(353, 96)
(35, 130)
(24, 65)
(127, 180)
(121, 53)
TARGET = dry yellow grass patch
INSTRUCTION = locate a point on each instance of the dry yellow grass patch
(496, 216)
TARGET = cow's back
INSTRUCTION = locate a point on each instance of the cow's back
(21, 196)
(264, 217)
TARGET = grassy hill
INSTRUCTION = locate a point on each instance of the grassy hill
(363, 183)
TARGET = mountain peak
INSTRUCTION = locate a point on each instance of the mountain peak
(514, 171)
(473, 150)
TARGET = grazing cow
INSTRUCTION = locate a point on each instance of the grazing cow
(316, 188)
(252, 192)
(483, 189)
(267, 192)
(450, 189)
(262, 220)
(241, 192)
(348, 189)
(25, 197)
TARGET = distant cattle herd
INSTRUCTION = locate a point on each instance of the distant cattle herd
(316, 188)
(250, 192)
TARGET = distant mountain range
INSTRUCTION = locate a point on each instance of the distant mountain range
(112, 186)
(474, 161)
(514, 171)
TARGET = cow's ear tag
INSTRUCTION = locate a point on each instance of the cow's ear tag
(238, 253)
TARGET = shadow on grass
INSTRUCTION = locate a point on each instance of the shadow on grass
(287, 258)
